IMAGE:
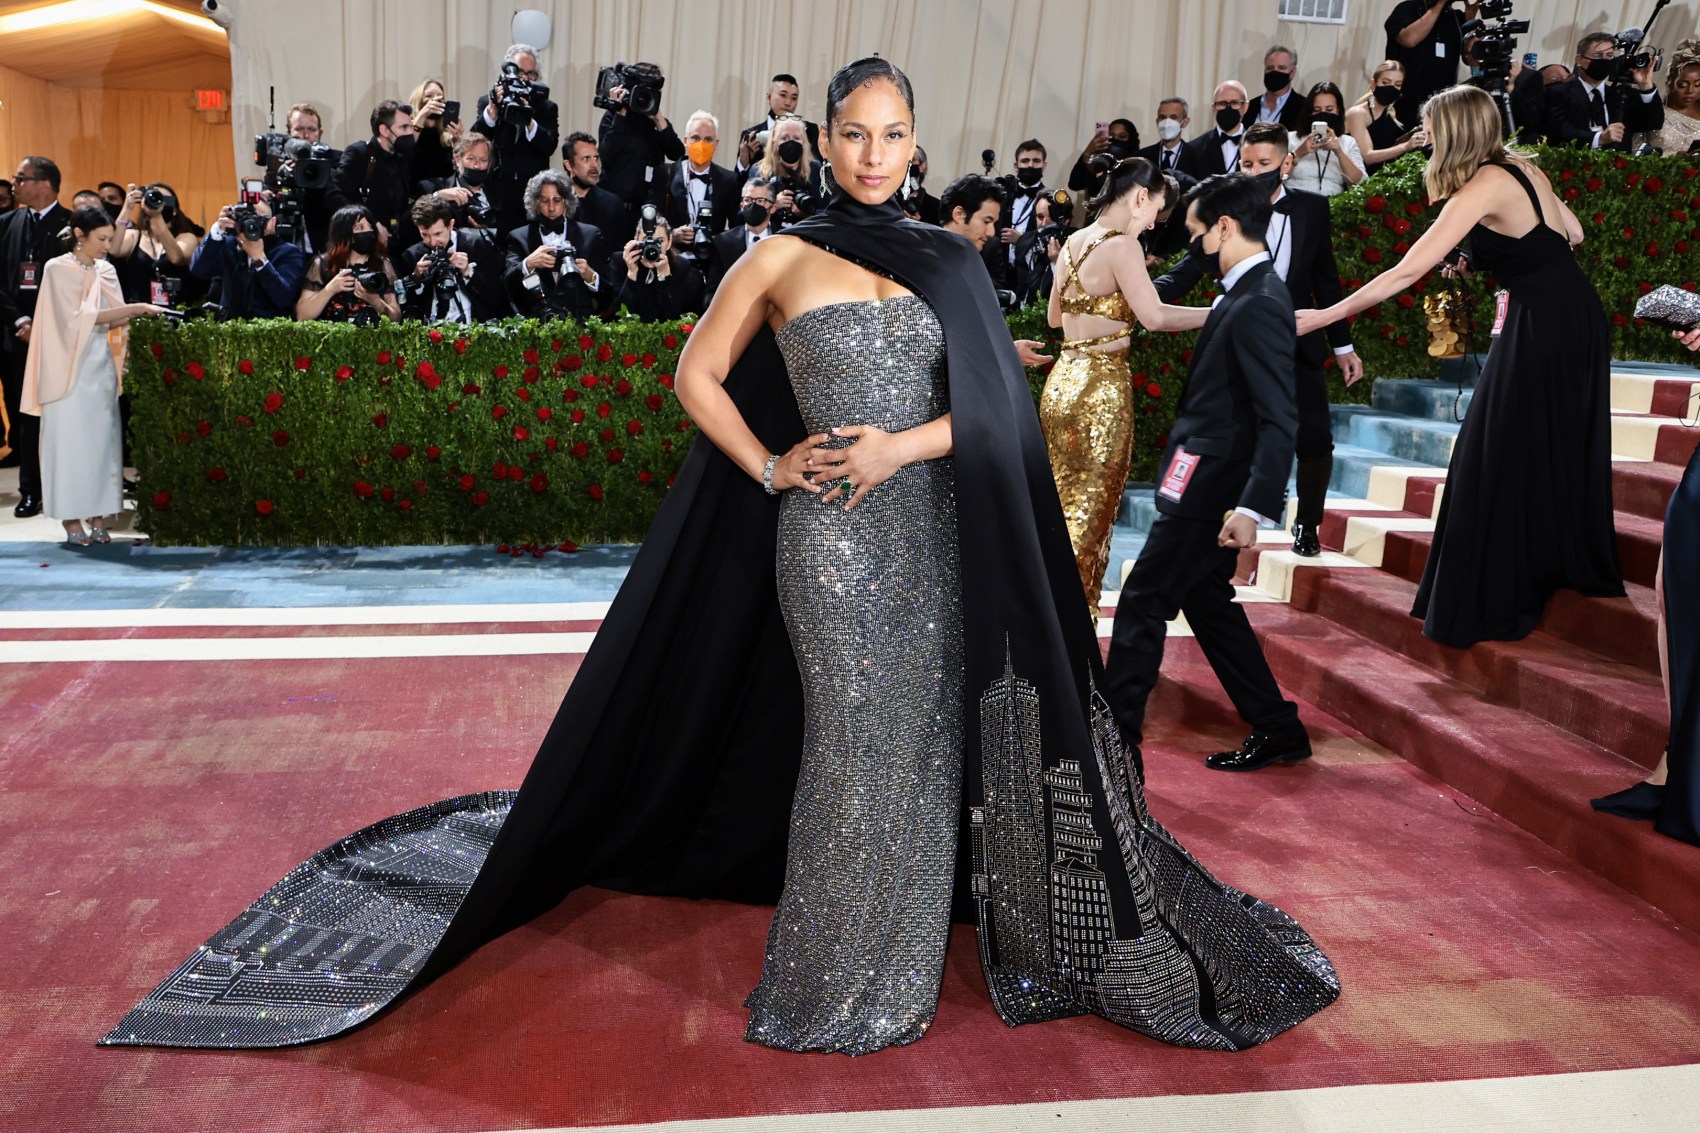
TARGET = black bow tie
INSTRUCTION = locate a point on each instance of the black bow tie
(1284, 206)
(1027, 190)
(703, 177)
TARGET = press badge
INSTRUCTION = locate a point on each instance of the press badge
(29, 276)
(1179, 474)
(157, 295)
(1501, 304)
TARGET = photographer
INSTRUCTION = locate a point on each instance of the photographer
(755, 209)
(378, 172)
(923, 203)
(153, 247)
(1024, 190)
(1426, 37)
(449, 276)
(549, 273)
(525, 127)
(259, 275)
(796, 188)
(353, 281)
(1037, 251)
(467, 190)
(781, 103)
(437, 130)
(699, 190)
(304, 124)
(659, 284)
(1604, 103)
(635, 144)
(596, 205)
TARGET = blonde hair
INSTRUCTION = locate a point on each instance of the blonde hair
(769, 164)
(1467, 131)
(1683, 56)
(1381, 69)
(418, 96)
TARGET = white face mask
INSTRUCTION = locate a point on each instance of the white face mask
(1168, 129)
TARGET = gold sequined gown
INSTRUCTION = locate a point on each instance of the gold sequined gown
(872, 603)
(1086, 411)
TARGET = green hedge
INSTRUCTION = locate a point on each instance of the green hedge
(282, 433)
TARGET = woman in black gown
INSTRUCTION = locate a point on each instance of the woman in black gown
(1527, 508)
(860, 721)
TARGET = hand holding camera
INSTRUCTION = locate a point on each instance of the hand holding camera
(545, 258)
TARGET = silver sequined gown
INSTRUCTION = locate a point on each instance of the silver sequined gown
(872, 601)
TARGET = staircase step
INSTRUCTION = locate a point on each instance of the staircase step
(1408, 438)
(1646, 437)
(1638, 543)
(1614, 705)
(1432, 400)
(1355, 473)
(1644, 487)
(1662, 392)
(1529, 772)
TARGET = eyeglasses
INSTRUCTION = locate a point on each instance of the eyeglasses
(532, 76)
(787, 117)
(1225, 103)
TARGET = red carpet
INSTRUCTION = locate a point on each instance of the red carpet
(144, 803)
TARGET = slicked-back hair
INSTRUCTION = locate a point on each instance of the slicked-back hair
(853, 75)
(1233, 195)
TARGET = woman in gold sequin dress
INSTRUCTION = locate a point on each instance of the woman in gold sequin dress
(1087, 407)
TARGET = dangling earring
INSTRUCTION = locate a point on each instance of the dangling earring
(828, 183)
(909, 184)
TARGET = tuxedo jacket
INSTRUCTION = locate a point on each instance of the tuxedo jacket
(729, 248)
(485, 289)
(1292, 114)
(1570, 114)
(43, 245)
(1186, 169)
(724, 192)
(996, 253)
(1529, 107)
(518, 158)
(1313, 277)
(1207, 153)
(1238, 415)
(557, 294)
(606, 212)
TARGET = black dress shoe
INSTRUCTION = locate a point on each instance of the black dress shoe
(1642, 801)
(1260, 750)
(28, 506)
(1306, 541)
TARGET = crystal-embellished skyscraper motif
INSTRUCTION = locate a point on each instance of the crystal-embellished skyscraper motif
(1081, 925)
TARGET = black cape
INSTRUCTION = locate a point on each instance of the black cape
(670, 765)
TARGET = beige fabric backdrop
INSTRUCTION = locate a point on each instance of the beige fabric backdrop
(986, 74)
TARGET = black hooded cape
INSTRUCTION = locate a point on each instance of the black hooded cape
(670, 765)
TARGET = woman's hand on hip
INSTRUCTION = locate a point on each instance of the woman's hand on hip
(873, 457)
(795, 466)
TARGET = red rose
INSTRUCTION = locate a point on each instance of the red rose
(595, 491)
(531, 374)
(303, 363)
(1594, 184)
(217, 475)
(670, 341)
(400, 452)
(555, 344)
(471, 389)
(578, 416)
(161, 500)
(540, 483)
(515, 472)
(244, 367)
(653, 401)
(362, 489)
(1376, 203)
(585, 342)
(499, 372)
(544, 413)
(384, 357)
(607, 435)
(343, 373)
(425, 370)
(1653, 249)
(1628, 232)
(615, 455)
(170, 376)
(1682, 247)
(622, 388)
(1154, 390)
(381, 420)
(195, 370)
(1620, 320)
(460, 346)
(684, 426)
(158, 352)
(628, 359)
(569, 394)
(521, 433)
(531, 357)
(645, 476)
(604, 409)
(1372, 255)
(1620, 261)
(523, 394)
(435, 336)
(1599, 218)
(1619, 163)
(466, 481)
(388, 495)
(1407, 300)
(551, 443)
(433, 452)
(1412, 208)
(1632, 180)
(666, 380)
(604, 353)
(634, 428)
(406, 505)
(499, 470)
(202, 428)
(572, 362)
(274, 402)
(300, 473)
(264, 507)
(479, 499)
(648, 360)
(580, 451)
(499, 412)
(687, 327)
(280, 438)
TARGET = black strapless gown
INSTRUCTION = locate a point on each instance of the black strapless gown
(1527, 508)
(1680, 815)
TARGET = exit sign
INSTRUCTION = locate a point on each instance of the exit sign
(210, 100)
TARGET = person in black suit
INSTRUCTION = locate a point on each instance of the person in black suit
(756, 207)
(635, 148)
(29, 237)
(697, 183)
(256, 279)
(1280, 102)
(659, 289)
(551, 262)
(525, 138)
(474, 293)
(1222, 477)
(378, 172)
(468, 188)
(1301, 248)
(1218, 150)
(1169, 153)
(305, 125)
(926, 205)
(781, 103)
(1426, 38)
(1019, 209)
(583, 161)
(1603, 104)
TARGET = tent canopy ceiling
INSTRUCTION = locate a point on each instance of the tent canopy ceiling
(116, 44)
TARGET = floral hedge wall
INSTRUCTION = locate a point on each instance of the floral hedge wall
(544, 435)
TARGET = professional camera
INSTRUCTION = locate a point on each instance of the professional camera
(703, 243)
(1062, 211)
(440, 274)
(649, 248)
(565, 255)
(642, 84)
(1631, 44)
(1007, 300)
(294, 163)
(372, 280)
(798, 187)
(157, 200)
(250, 222)
(1494, 49)
(514, 95)
(477, 214)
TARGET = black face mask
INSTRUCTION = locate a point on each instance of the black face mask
(790, 151)
(404, 144)
(1029, 175)
(1211, 262)
(1269, 181)
(472, 178)
(1119, 149)
(112, 210)
(754, 215)
(364, 242)
(1332, 121)
(1386, 96)
(1600, 69)
(1227, 119)
(556, 226)
(1276, 80)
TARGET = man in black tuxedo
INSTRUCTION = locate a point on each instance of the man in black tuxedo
(1218, 150)
(697, 183)
(1019, 214)
(1280, 102)
(29, 237)
(524, 138)
(472, 291)
(1169, 153)
(596, 205)
(468, 189)
(1595, 113)
(926, 205)
(635, 148)
(551, 262)
(1222, 477)
(1301, 249)
(756, 206)
(378, 172)
(781, 99)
